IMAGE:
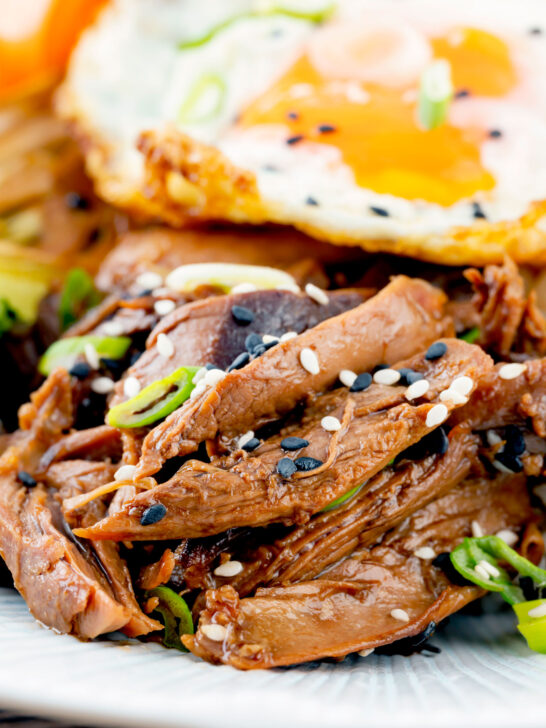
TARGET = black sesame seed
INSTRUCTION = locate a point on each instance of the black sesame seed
(379, 211)
(153, 514)
(252, 341)
(478, 212)
(239, 361)
(259, 350)
(435, 351)
(270, 168)
(361, 383)
(145, 293)
(379, 367)
(327, 128)
(403, 374)
(535, 31)
(510, 461)
(286, 467)
(135, 356)
(495, 133)
(80, 370)
(306, 463)
(293, 115)
(75, 201)
(515, 442)
(412, 377)
(462, 93)
(241, 315)
(113, 365)
(26, 479)
(294, 139)
(294, 443)
(251, 444)
(311, 202)
(270, 344)
(210, 366)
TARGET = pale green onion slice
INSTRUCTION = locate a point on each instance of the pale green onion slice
(316, 15)
(204, 101)
(435, 94)
(343, 498)
(226, 276)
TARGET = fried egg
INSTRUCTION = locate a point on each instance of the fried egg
(310, 113)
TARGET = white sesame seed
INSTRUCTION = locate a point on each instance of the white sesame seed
(245, 287)
(102, 385)
(215, 632)
(477, 530)
(317, 294)
(199, 389)
(417, 389)
(149, 280)
(268, 339)
(229, 568)
(330, 424)
(309, 361)
(453, 396)
(425, 553)
(400, 614)
(347, 377)
(165, 346)
(365, 653)
(509, 537)
(291, 287)
(131, 387)
(247, 437)
(511, 371)
(386, 376)
(112, 328)
(482, 572)
(289, 335)
(199, 374)
(436, 415)
(490, 568)
(164, 306)
(125, 472)
(501, 467)
(91, 355)
(493, 438)
(212, 377)
(539, 611)
(463, 385)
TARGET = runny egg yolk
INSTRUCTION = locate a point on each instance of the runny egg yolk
(374, 123)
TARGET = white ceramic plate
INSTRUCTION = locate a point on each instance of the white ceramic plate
(484, 677)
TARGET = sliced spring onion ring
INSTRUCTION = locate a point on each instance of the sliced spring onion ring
(175, 615)
(64, 352)
(78, 295)
(471, 335)
(343, 498)
(226, 276)
(204, 101)
(319, 15)
(435, 94)
(155, 401)
(473, 552)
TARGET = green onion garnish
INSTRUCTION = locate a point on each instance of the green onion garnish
(205, 100)
(477, 559)
(435, 94)
(343, 498)
(175, 615)
(64, 352)
(78, 295)
(155, 401)
(471, 335)
(8, 316)
(312, 16)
